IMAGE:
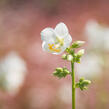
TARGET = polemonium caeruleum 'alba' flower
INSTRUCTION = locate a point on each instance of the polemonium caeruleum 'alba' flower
(56, 40)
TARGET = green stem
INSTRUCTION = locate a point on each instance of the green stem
(73, 85)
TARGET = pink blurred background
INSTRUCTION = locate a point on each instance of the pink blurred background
(21, 22)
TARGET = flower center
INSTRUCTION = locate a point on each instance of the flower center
(54, 48)
(60, 41)
(57, 46)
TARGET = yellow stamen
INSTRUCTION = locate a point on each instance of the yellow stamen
(52, 47)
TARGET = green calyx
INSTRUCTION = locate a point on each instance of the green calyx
(61, 72)
(83, 84)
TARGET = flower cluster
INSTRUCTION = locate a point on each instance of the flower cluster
(83, 84)
(61, 72)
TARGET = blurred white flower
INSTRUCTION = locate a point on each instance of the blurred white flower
(98, 35)
(65, 93)
(56, 40)
(12, 70)
(90, 66)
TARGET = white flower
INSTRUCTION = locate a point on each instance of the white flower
(56, 40)
(98, 35)
(13, 71)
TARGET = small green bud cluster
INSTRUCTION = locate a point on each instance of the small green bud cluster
(83, 84)
(72, 56)
(61, 72)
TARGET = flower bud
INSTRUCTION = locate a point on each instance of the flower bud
(77, 44)
(55, 72)
(67, 49)
(64, 56)
(69, 57)
(80, 53)
(59, 69)
(81, 79)
(86, 82)
(66, 71)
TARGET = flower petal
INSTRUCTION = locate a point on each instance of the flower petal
(61, 29)
(48, 35)
(45, 46)
(68, 39)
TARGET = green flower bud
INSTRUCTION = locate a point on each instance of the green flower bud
(77, 44)
(66, 71)
(69, 57)
(86, 82)
(77, 59)
(59, 69)
(55, 73)
(58, 74)
(64, 56)
(80, 53)
(68, 49)
(72, 52)
(81, 79)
